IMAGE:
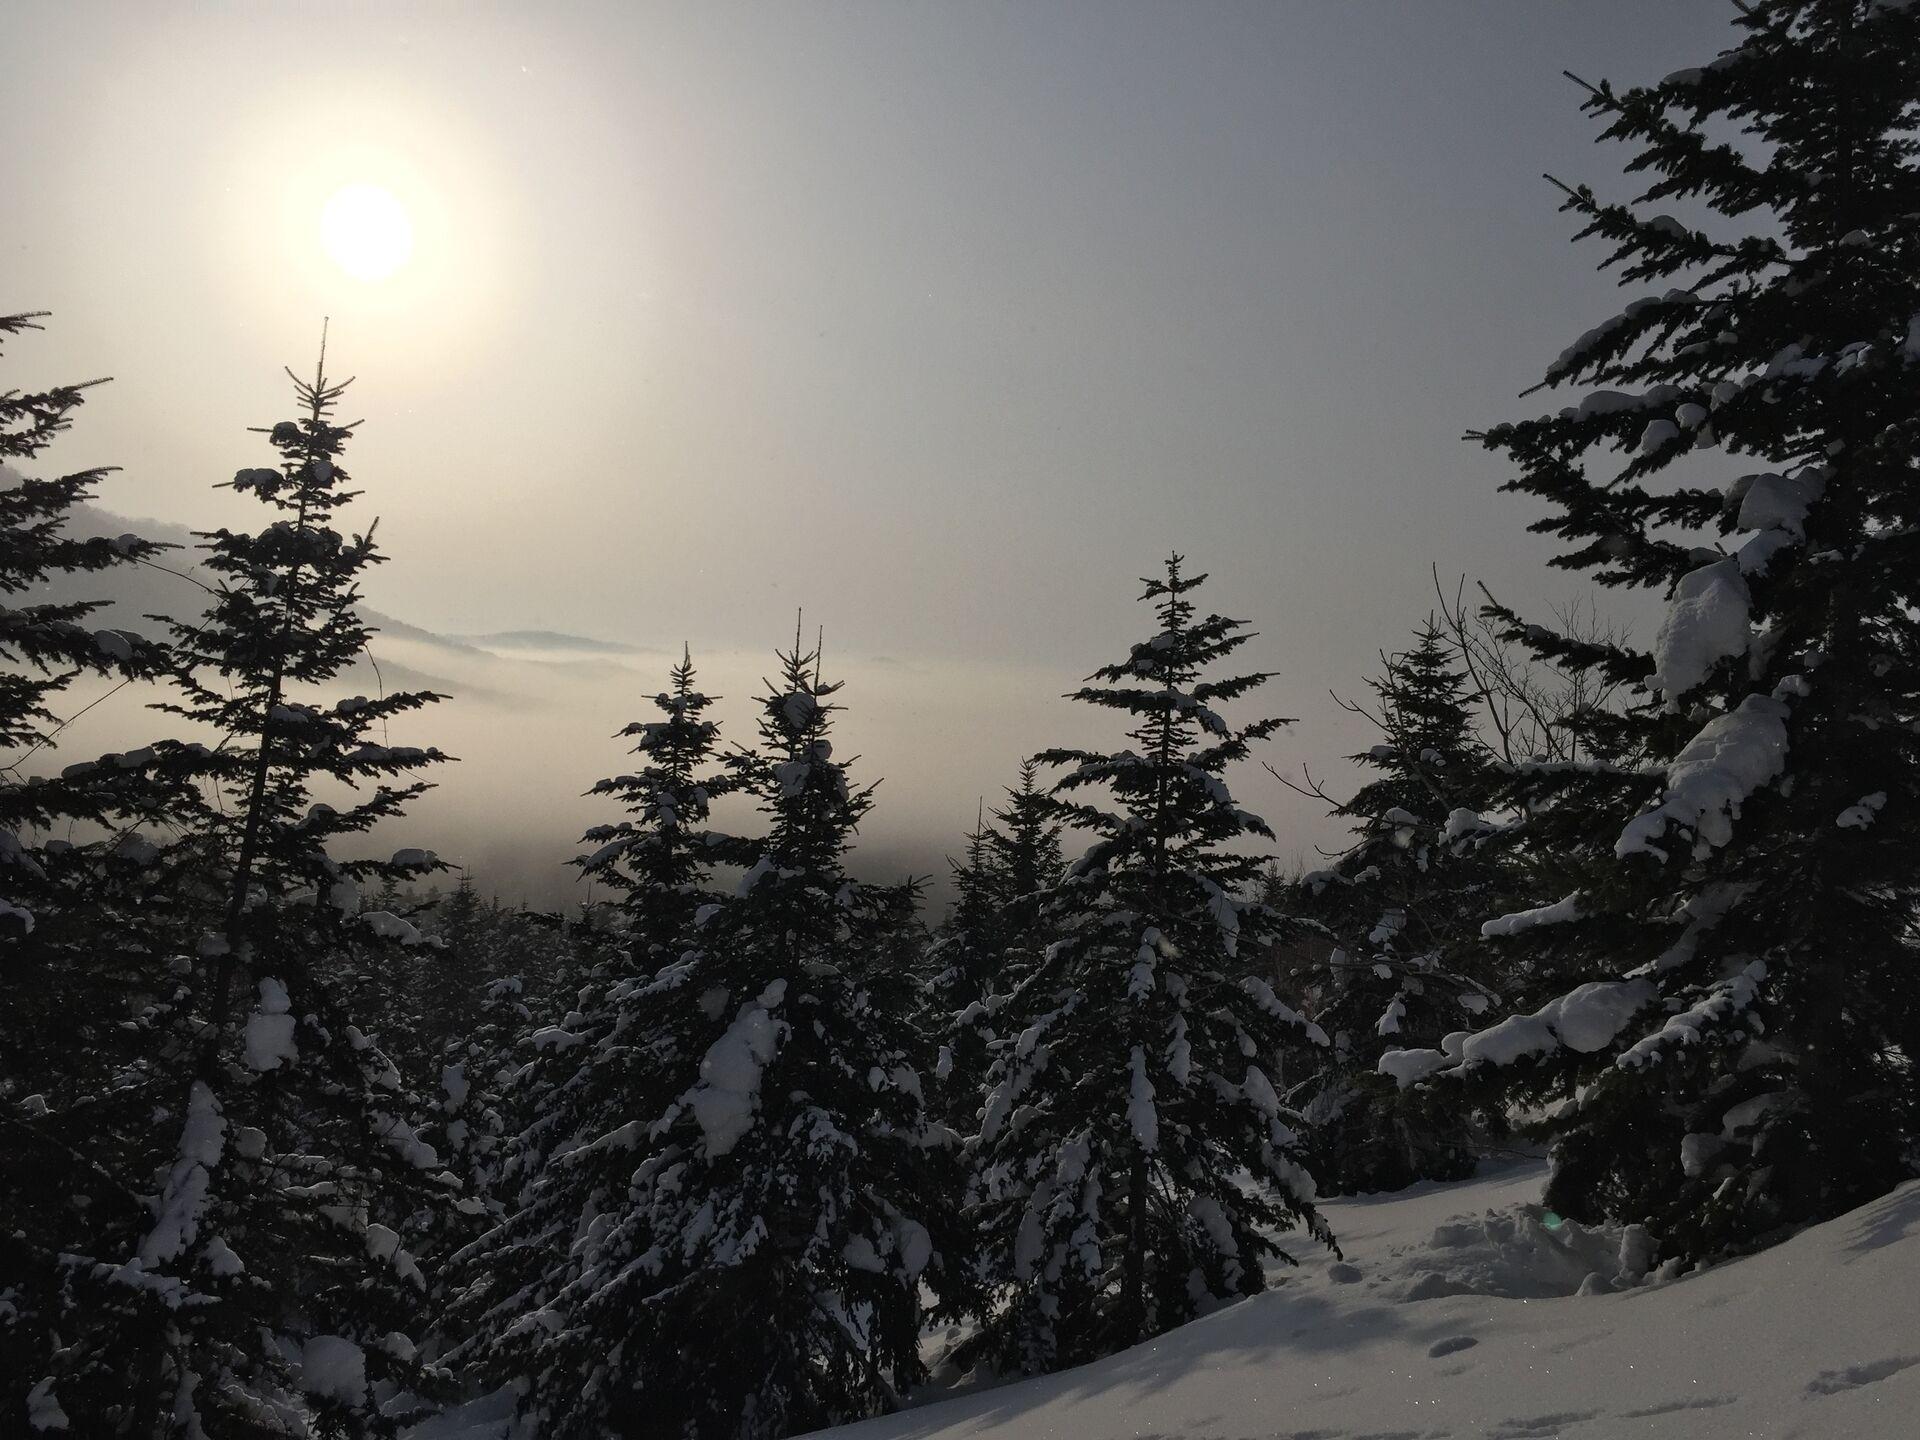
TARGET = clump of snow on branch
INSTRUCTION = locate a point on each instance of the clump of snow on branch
(1141, 1116)
(1707, 623)
(723, 1101)
(1586, 1019)
(1722, 1005)
(1732, 756)
(1560, 912)
(269, 1034)
(177, 1221)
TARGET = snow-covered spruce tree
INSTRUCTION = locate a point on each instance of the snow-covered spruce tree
(470, 1044)
(458, 917)
(962, 964)
(1024, 848)
(470, 1126)
(87, 985)
(1404, 906)
(757, 1273)
(47, 645)
(480, 1023)
(992, 938)
(658, 860)
(1732, 1036)
(267, 1289)
(51, 888)
(788, 1195)
(438, 993)
(967, 939)
(545, 982)
(1133, 1158)
(605, 1072)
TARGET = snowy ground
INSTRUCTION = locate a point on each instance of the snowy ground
(1465, 1312)
(1451, 1321)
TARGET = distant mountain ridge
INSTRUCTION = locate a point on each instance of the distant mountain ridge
(137, 591)
(547, 640)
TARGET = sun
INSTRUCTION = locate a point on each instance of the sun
(366, 231)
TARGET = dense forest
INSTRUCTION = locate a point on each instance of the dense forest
(297, 1138)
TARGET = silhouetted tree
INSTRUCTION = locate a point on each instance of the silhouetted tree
(760, 1273)
(1727, 1001)
(1107, 1189)
(1404, 907)
(87, 980)
(270, 1279)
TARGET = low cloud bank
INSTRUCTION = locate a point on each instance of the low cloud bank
(532, 716)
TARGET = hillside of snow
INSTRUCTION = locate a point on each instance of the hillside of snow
(1458, 1315)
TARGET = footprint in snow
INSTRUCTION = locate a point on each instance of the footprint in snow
(1540, 1427)
(1674, 1407)
(1832, 1382)
(1452, 1345)
(1342, 1273)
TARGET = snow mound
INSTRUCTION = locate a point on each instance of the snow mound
(1522, 1253)
(1815, 1338)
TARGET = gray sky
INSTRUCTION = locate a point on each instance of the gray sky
(945, 322)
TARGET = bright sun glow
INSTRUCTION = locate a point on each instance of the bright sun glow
(366, 231)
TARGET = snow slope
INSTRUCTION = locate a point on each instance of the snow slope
(1456, 1316)
(1818, 1337)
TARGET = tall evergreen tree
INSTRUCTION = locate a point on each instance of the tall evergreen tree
(266, 1287)
(471, 1125)
(440, 993)
(458, 916)
(1024, 849)
(659, 859)
(474, 1024)
(963, 964)
(1404, 906)
(801, 1138)
(967, 942)
(1109, 1165)
(992, 939)
(87, 983)
(606, 1073)
(48, 645)
(760, 1274)
(1734, 1008)
(45, 647)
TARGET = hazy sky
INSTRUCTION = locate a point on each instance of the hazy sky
(943, 321)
